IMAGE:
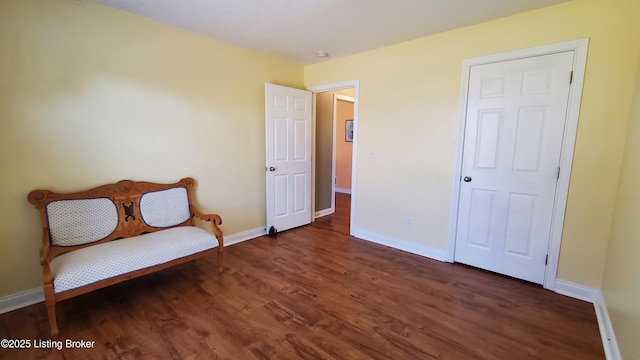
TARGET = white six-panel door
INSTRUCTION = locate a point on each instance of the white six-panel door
(515, 118)
(288, 149)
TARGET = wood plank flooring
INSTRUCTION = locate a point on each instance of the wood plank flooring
(316, 293)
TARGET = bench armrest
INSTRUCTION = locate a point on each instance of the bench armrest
(215, 220)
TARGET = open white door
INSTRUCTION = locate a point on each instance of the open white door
(288, 149)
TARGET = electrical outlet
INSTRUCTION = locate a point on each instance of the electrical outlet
(372, 153)
(408, 222)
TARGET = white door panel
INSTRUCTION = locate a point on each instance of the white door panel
(288, 149)
(515, 120)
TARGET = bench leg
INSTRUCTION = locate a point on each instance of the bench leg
(50, 302)
(220, 267)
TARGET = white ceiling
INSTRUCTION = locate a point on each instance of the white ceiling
(294, 30)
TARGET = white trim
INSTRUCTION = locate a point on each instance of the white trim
(335, 86)
(343, 191)
(431, 253)
(20, 300)
(313, 151)
(355, 84)
(594, 296)
(609, 342)
(566, 157)
(325, 212)
(244, 236)
(576, 291)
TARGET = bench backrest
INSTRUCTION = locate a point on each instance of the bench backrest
(110, 212)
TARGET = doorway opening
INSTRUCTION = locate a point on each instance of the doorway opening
(335, 129)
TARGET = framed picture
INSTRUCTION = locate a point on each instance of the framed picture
(348, 131)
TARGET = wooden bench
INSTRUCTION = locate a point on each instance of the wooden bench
(102, 236)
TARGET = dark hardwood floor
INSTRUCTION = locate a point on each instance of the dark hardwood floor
(315, 293)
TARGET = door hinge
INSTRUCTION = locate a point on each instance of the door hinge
(546, 260)
(558, 174)
(571, 78)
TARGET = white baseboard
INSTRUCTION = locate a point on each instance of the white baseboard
(576, 291)
(22, 299)
(343, 191)
(244, 236)
(611, 350)
(594, 296)
(436, 254)
(324, 212)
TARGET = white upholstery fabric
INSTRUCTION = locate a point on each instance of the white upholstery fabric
(98, 262)
(82, 221)
(165, 208)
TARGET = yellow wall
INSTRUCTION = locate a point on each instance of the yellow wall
(408, 113)
(621, 285)
(92, 95)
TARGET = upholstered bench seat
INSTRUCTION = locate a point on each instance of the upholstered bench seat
(99, 262)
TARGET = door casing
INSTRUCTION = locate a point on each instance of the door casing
(355, 84)
(334, 155)
(580, 48)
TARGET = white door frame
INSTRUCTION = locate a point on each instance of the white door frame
(355, 84)
(336, 98)
(568, 143)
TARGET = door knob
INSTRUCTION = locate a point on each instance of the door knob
(271, 168)
(467, 179)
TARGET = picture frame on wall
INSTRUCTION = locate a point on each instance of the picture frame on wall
(348, 131)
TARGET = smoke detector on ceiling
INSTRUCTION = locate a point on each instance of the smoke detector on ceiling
(322, 54)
